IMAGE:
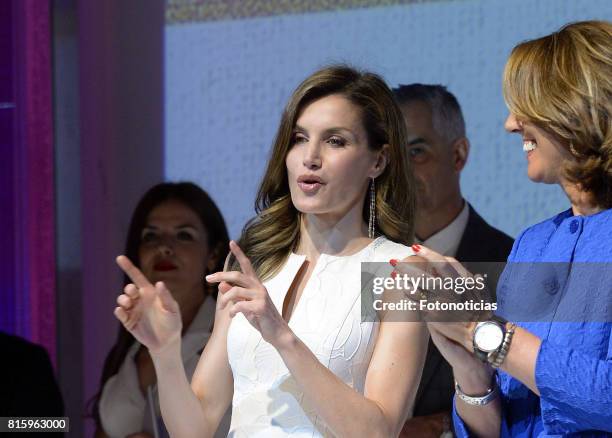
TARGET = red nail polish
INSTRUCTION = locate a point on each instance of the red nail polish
(393, 262)
(416, 248)
(393, 274)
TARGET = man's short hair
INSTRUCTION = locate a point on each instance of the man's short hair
(447, 118)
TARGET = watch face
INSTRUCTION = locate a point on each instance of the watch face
(488, 336)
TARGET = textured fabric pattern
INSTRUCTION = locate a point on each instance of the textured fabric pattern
(574, 365)
(267, 400)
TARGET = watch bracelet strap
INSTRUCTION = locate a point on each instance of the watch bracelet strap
(496, 358)
(481, 355)
(491, 394)
(499, 319)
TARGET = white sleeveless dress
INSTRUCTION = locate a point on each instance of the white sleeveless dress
(267, 400)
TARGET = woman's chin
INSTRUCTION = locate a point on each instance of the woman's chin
(534, 177)
(171, 281)
(535, 173)
(309, 207)
(538, 176)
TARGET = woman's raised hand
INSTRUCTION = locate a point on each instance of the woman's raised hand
(246, 294)
(147, 311)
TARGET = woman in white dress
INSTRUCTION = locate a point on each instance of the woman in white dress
(289, 349)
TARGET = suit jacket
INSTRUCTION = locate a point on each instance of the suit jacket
(29, 388)
(480, 243)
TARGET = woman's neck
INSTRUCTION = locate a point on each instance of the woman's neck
(324, 234)
(583, 203)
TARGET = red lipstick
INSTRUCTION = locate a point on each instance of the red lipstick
(164, 265)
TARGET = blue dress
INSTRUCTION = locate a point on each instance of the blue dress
(573, 369)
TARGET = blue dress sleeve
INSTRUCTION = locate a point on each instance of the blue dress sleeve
(515, 246)
(575, 389)
(461, 429)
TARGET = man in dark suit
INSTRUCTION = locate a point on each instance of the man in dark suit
(28, 387)
(445, 222)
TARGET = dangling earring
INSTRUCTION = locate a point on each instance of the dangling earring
(372, 221)
(573, 149)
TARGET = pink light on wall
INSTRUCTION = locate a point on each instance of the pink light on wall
(31, 203)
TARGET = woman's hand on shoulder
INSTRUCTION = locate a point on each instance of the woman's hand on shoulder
(147, 311)
(243, 292)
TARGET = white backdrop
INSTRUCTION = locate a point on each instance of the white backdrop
(226, 83)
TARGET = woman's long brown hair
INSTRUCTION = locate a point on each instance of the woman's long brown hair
(273, 233)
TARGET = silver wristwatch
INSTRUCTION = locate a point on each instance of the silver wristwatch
(488, 338)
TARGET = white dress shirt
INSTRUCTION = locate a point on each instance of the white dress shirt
(446, 241)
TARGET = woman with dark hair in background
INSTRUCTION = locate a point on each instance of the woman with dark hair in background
(177, 235)
(289, 349)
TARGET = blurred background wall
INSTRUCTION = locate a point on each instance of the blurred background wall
(228, 77)
(108, 70)
(146, 90)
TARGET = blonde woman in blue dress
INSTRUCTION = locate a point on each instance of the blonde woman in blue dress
(289, 351)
